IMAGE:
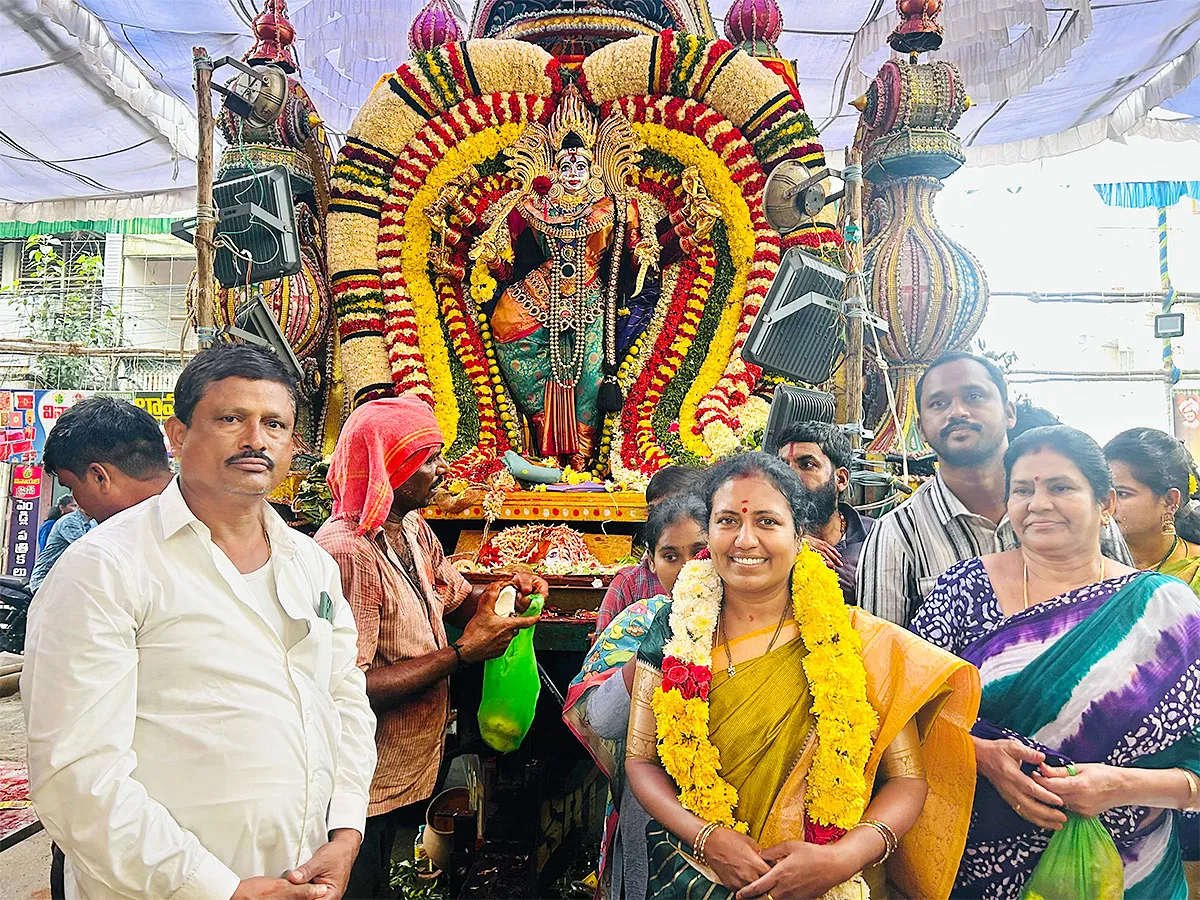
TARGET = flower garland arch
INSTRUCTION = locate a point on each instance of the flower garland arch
(697, 105)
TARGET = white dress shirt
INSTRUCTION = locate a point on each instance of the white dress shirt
(175, 745)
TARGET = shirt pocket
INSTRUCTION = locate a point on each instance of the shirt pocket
(313, 655)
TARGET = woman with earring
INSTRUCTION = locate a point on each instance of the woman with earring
(1154, 477)
(1089, 668)
(784, 744)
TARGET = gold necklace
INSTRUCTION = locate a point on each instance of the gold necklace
(730, 669)
(1025, 580)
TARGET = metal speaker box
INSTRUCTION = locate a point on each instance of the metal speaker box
(792, 405)
(799, 331)
(257, 219)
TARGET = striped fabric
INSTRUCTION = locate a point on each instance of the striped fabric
(398, 623)
(909, 549)
(1106, 673)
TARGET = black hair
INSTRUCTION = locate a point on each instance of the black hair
(110, 431)
(1030, 416)
(1070, 442)
(221, 361)
(661, 516)
(775, 470)
(993, 372)
(1160, 462)
(831, 439)
(672, 480)
(60, 508)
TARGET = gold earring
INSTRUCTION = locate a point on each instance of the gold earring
(1168, 523)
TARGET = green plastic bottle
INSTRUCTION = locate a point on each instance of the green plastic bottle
(511, 687)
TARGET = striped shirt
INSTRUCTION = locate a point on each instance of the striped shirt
(396, 622)
(910, 547)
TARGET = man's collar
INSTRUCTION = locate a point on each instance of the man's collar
(175, 514)
(855, 531)
(945, 502)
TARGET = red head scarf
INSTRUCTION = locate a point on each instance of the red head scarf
(381, 445)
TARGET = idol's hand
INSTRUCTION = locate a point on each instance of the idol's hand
(734, 857)
(799, 871)
(1093, 789)
(1000, 763)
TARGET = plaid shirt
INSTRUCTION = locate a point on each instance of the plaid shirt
(628, 587)
(398, 623)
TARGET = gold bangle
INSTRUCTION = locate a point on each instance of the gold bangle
(1193, 790)
(890, 841)
(702, 839)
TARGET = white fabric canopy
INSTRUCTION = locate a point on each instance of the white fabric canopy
(96, 98)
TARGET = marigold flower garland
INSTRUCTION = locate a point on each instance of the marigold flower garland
(836, 792)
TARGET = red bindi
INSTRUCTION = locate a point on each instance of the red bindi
(745, 509)
(1037, 477)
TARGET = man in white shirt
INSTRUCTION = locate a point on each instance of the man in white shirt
(197, 725)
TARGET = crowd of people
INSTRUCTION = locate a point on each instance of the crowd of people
(790, 699)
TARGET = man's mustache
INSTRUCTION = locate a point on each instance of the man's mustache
(252, 454)
(945, 432)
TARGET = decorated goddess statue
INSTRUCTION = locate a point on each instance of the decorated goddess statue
(564, 270)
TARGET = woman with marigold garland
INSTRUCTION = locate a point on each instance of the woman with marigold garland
(784, 744)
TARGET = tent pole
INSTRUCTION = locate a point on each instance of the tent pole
(206, 214)
(855, 301)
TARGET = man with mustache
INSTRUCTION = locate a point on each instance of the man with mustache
(821, 455)
(964, 415)
(385, 469)
(197, 725)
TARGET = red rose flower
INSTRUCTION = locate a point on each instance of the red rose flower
(541, 185)
(690, 681)
(703, 554)
(816, 833)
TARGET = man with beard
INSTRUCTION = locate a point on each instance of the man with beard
(964, 415)
(197, 727)
(821, 455)
(386, 467)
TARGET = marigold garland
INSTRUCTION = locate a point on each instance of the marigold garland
(836, 792)
(400, 325)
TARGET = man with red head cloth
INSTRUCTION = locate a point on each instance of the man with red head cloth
(386, 466)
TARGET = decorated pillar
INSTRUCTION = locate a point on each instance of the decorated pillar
(929, 289)
(302, 303)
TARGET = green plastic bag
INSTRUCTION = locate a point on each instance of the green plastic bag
(510, 689)
(1080, 863)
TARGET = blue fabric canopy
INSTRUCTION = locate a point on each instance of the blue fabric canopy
(1147, 194)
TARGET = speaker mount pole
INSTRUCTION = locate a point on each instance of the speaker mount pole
(206, 213)
(856, 302)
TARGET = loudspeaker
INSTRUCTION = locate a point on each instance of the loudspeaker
(791, 405)
(258, 218)
(799, 331)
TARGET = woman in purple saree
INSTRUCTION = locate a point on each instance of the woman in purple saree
(1079, 666)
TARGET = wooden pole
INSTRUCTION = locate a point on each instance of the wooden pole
(206, 219)
(856, 303)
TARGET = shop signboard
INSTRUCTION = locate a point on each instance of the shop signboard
(18, 427)
(159, 404)
(23, 521)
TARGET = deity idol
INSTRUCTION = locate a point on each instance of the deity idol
(566, 270)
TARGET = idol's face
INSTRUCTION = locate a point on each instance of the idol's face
(573, 172)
